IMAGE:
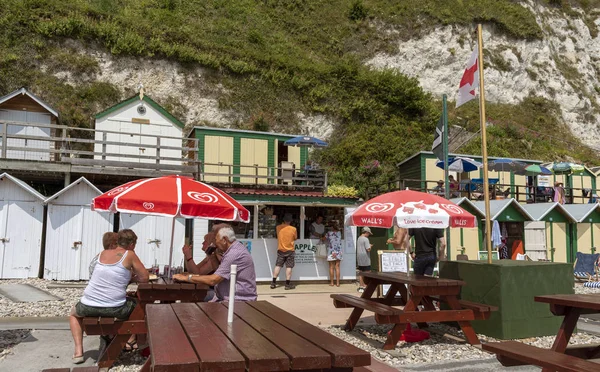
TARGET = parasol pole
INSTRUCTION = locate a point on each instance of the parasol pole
(446, 168)
(171, 250)
(486, 181)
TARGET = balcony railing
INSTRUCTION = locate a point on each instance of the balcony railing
(142, 155)
(474, 191)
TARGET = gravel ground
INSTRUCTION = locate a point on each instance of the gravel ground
(368, 337)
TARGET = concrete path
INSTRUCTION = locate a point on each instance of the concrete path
(310, 302)
(48, 349)
(40, 323)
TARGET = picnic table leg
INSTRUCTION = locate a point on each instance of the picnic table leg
(465, 325)
(112, 351)
(146, 366)
(357, 312)
(394, 335)
(566, 329)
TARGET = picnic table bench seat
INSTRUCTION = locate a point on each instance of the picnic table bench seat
(511, 353)
(76, 369)
(385, 314)
(93, 326)
(480, 311)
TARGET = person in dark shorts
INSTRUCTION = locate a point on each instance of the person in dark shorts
(363, 259)
(105, 295)
(425, 255)
(286, 235)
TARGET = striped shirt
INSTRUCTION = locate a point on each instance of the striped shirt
(245, 287)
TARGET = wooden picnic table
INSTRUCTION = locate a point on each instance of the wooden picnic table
(559, 356)
(419, 292)
(162, 290)
(262, 337)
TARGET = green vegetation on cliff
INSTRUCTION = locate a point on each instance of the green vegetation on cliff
(276, 58)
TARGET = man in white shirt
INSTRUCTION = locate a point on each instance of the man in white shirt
(317, 229)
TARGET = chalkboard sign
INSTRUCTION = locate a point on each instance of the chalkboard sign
(392, 262)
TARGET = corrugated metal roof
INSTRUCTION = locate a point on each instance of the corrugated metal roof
(581, 211)
(539, 210)
(24, 186)
(498, 206)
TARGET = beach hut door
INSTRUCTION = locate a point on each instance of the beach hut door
(20, 239)
(535, 240)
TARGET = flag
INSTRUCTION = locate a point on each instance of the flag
(437, 147)
(469, 81)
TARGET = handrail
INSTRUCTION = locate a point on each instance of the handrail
(470, 190)
(146, 153)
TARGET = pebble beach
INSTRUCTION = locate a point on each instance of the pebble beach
(444, 344)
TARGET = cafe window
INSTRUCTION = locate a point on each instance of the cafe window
(242, 230)
(272, 215)
(330, 215)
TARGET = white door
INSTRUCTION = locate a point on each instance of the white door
(41, 118)
(13, 115)
(21, 237)
(94, 225)
(151, 133)
(129, 142)
(154, 238)
(73, 238)
(63, 228)
(535, 240)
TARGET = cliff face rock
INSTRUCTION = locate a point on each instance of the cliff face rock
(563, 67)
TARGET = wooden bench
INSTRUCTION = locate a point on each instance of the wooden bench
(480, 311)
(385, 314)
(111, 326)
(76, 369)
(510, 351)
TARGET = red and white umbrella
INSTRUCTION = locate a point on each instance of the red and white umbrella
(410, 209)
(172, 196)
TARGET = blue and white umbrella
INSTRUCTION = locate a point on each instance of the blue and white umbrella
(305, 141)
(460, 164)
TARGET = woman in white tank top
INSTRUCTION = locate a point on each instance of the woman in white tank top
(105, 294)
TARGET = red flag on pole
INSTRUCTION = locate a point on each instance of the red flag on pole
(469, 81)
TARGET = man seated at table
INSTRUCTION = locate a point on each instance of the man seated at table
(211, 262)
(234, 253)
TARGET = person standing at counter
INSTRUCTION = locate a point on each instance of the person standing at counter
(334, 252)
(363, 259)
(286, 235)
(317, 229)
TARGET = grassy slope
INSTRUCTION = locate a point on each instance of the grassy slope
(277, 57)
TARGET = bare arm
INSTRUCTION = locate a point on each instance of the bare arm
(211, 280)
(139, 271)
(442, 249)
(399, 239)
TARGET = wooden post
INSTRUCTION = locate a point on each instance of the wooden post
(325, 183)
(157, 150)
(486, 183)
(256, 174)
(103, 145)
(4, 139)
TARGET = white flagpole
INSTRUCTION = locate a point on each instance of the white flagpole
(486, 182)
(232, 281)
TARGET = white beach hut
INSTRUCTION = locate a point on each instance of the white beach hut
(73, 231)
(21, 219)
(154, 238)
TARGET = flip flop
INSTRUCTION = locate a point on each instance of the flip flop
(131, 346)
(77, 359)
